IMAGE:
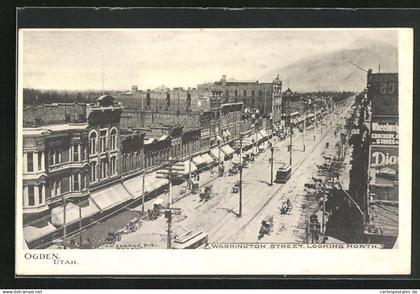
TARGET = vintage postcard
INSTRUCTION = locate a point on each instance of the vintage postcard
(270, 151)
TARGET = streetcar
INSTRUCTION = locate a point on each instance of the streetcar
(191, 240)
(283, 174)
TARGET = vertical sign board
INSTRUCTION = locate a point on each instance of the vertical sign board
(383, 152)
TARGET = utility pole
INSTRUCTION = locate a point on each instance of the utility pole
(272, 163)
(80, 225)
(218, 145)
(143, 179)
(323, 214)
(291, 140)
(240, 178)
(315, 122)
(64, 221)
(304, 128)
(256, 136)
(189, 163)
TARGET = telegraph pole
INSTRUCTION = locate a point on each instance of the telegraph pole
(304, 128)
(315, 122)
(291, 141)
(189, 164)
(80, 225)
(169, 211)
(272, 163)
(143, 180)
(64, 221)
(240, 178)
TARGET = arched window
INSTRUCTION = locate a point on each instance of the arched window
(113, 165)
(92, 143)
(93, 171)
(113, 139)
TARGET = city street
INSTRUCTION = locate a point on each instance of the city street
(219, 215)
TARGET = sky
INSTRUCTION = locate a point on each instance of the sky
(87, 59)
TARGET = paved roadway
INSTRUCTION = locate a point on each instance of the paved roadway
(219, 216)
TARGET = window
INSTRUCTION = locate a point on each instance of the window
(93, 171)
(102, 141)
(65, 185)
(82, 152)
(92, 143)
(51, 157)
(75, 152)
(113, 165)
(40, 160)
(40, 194)
(76, 186)
(113, 139)
(253, 93)
(31, 197)
(244, 92)
(82, 182)
(236, 93)
(30, 161)
(57, 157)
(57, 188)
(103, 169)
(65, 155)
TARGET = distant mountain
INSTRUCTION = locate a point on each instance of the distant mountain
(334, 72)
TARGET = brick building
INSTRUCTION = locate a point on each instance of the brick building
(104, 139)
(165, 99)
(264, 97)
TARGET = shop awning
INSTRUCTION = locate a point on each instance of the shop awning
(215, 153)
(186, 170)
(246, 141)
(207, 158)
(227, 150)
(263, 133)
(152, 182)
(198, 160)
(110, 197)
(134, 186)
(72, 213)
(31, 233)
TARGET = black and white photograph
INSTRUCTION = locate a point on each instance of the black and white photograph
(210, 139)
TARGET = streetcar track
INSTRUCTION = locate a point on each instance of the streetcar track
(294, 170)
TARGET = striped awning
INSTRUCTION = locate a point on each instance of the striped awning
(187, 166)
(227, 150)
(110, 197)
(198, 160)
(31, 233)
(72, 213)
(207, 158)
(263, 133)
(153, 182)
(215, 153)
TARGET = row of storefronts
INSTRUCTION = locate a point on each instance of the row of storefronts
(128, 191)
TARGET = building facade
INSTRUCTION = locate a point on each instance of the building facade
(55, 166)
(104, 139)
(264, 97)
